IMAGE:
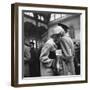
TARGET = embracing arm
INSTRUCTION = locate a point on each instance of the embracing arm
(47, 62)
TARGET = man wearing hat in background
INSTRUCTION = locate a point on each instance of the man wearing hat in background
(32, 61)
(48, 55)
(68, 51)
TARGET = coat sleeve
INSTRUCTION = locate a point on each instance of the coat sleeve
(67, 47)
(47, 62)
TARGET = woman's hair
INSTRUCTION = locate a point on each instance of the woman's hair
(56, 30)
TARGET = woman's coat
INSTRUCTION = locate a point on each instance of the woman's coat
(45, 61)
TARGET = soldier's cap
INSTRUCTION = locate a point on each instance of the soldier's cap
(65, 27)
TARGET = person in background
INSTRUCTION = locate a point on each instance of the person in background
(48, 52)
(27, 57)
(33, 61)
(38, 56)
(68, 51)
(77, 57)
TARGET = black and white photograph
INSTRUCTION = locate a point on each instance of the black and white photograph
(52, 44)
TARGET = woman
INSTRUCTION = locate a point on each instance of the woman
(48, 55)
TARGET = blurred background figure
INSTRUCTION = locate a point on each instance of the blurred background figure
(77, 57)
(33, 63)
(27, 57)
(26, 60)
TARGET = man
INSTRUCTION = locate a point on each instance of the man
(33, 61)
(48, 55)
(67, 47)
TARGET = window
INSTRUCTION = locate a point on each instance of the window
(42, 18)
(29, 14)
(56, 16)
(52, 17)
(39, 17)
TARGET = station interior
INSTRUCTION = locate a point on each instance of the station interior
(36, 24)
